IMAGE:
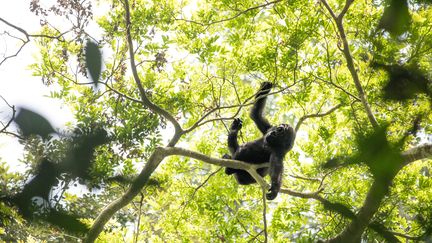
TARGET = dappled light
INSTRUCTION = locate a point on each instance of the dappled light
(220, 121)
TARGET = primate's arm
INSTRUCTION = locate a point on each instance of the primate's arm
(276, 171)
(257, 110)
(232, 136)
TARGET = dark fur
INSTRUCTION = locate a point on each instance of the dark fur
(271, 147)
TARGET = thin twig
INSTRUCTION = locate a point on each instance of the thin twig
(195, 191)
(232, 17)
(3, 130)
(303, 118)
(155, 108)
(246, 102)
(264, 215)
(27, 40)
(349, 60)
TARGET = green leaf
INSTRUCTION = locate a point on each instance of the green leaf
(93, 60)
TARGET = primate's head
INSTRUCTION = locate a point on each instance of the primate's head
(281, 136)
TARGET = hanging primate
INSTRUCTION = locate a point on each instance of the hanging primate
(271, 147)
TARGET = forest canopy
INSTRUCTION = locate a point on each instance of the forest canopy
(154, 87)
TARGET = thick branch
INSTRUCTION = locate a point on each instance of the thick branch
(343, 211)
(235, 164)
(349, 59)
(373, 200)
(158, 155)
(353, 232)
(376, 194)
(126, 198)
(345, 9)
(155, 108)
(417, 153)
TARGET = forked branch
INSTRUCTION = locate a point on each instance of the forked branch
(303, 118)
(148, 103)
(155, 159)
(349, 59)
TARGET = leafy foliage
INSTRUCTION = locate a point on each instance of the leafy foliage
(200, 62)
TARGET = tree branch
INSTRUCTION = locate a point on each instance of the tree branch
(232, 17)
(153, 107)
(349, 59)
(158, 155)
(3, 130)
(372, 202)
(264, 215)
(417, 153)
(345, 9)
(376, 194)
(126, 198)
(303, 118)
(27, 38)
(235, 164)
(342, 210)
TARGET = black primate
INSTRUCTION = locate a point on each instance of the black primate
(271, 147)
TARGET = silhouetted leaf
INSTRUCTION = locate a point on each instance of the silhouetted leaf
(404, 83)
(424, 1)
(373, 149)
(39, 186)
(416, 125)
(93, 61)
(332, 163)
(80, 156)
(32, 123)
(396, 17)
(339, 208)
(382, 157)
(66, 221)
(424, 171)
(380, 229)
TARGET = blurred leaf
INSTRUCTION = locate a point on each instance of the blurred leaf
(93, 58)
(404, 83)
(68, 222)
(424, 171)
(382, 157)
(32, 123)
(396, 17)
(339, 208)
(335, 162)
(39, 186)
(80, 156)
(373, 149)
